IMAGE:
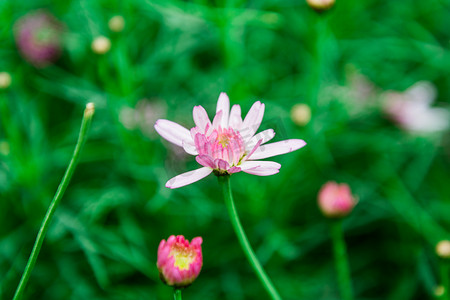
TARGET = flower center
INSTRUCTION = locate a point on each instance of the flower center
(224, 147)
(227, 144)
(223, 139)
(183, 257)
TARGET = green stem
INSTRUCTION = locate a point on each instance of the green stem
(177, 294)
(341, 260)
(444, 266)
(85, 124)
(248, 251)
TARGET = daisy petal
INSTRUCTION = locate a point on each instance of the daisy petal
(260, 168)
(223, 104)
(235, 120)
(221, 164)
(201, 118)
(188, 178)
(217, 120)
(173, 132)
(234, 170)
(277, 148)
(253, 150)
(190, 149)
(206, 161)
(252, 120)
(265, 136)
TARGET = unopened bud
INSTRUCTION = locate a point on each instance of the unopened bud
(90, 109)
(101, 45)
(116, 23)
(4, 148)
(301, 114)
(5, 80)
(320, 5)
(336, 200)
(38, 36)
(439, 291)
(179, 262)
(443, 249)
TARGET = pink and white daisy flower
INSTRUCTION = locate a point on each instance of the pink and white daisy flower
(227, 145)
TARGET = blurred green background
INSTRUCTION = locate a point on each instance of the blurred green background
(172, 55)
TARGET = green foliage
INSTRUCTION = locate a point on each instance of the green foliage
(103, 240)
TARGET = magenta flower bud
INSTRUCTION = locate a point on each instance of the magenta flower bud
(336, 200)
(179, 262)
(38, 37)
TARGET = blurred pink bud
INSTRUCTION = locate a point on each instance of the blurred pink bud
(336, 200)
(39, 37)
(179, 262)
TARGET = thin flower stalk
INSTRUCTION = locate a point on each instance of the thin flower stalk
(341, 260)
(177, 294)
(85, 125)
(243, 240)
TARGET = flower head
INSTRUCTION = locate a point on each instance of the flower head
(39, 37)
(226, 145)
(336, 200)
(179, 262)
(412, 109)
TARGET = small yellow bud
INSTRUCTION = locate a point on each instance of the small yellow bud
(116, 23)
(320, 5)
(90, 109)
(443, 249)
(301, 114)
(439, 291)
(4, 148)
(5, 80)
(101, 45)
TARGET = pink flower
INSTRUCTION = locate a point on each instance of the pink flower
(336, 200)
(412, 110)
(227, 145)
(38, 37)
(179, 262)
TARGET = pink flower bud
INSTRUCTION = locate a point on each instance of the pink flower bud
(38, 37)
(336, 200)
(179, 262)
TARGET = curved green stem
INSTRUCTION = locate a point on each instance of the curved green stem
(341, 260)
(85, 124)
(177, 294)
(253, 260)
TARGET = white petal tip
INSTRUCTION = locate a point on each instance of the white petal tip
(169, 186)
